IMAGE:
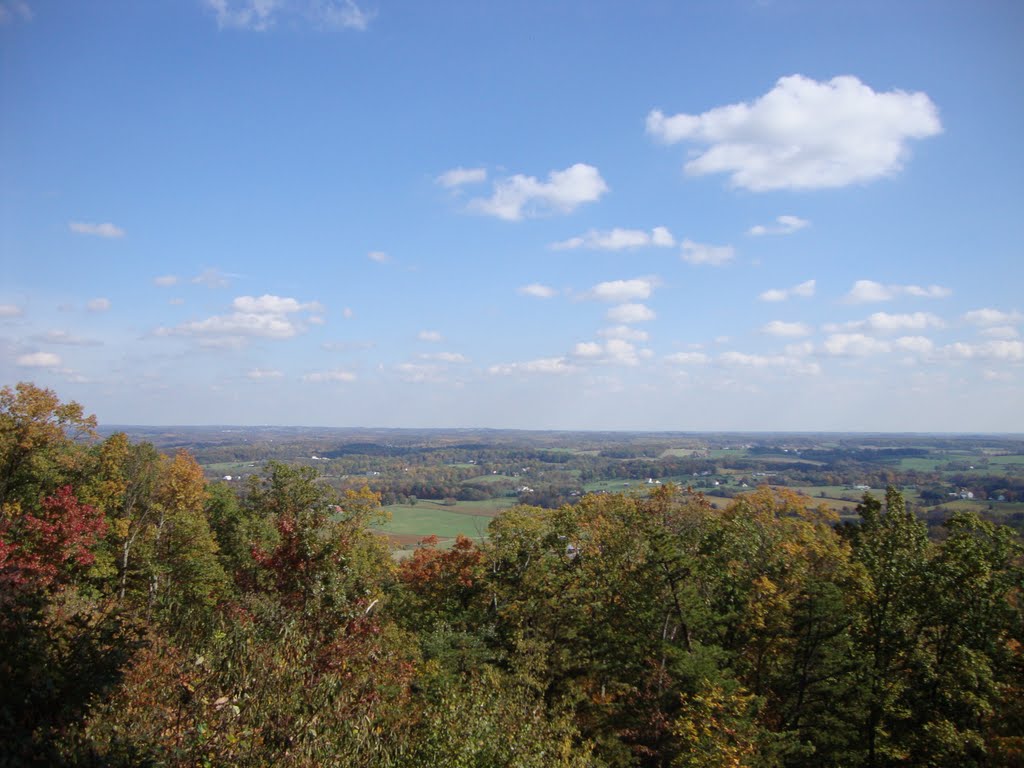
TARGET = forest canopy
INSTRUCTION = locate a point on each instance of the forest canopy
(151, 617)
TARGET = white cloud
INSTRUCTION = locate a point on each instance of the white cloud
(63, 337)
(241, 324)
(715, 255)
(804, 134)
(348, 313)
(784, 225)
(989, 316)
(804, 289)
(212, 278)
(564, 191)
(854, 345)
(266, 316)
(165, 281)
(623, 332)
(780, 328)
(996, 350)
(260, 15)
(98, 305)
(538, 291)
(378, 256)
(589, 349)
(14, 10)
(39, 360)
(687, 358)
(1001, 332)
(920, 345)
(268, 304)
(868, 291)
(884, 322)
(10, 310)
(106, 229)
(619, 291)
(446, 357)
(457, 177)
(544, 365)
(264, 373)
(783, 362)
(431, 336)
(335, 375)
(800, 349)
(417, 373)
(618, 239)
(612, 352)
(630, 313)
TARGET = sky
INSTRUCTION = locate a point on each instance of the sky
(573, 214)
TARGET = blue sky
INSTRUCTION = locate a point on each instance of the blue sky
(729, 215)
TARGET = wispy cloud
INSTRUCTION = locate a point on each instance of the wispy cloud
(538, 291)
(780, 328)
(11, 310)
(261, 15)
(66, 338)
(38, 360)
(804, 134)
(619, 291)
(105, 229)
(623, 332)
(784, 225)
(884, 322)
(713, 255)
(804, 289)
(519, 196)
(617, 239)
(378, 256)
(459, 177)
(544, 365)
(627, 314)
(165, 281)
(14, 10)
(611, 352)
(98, 305)
(213, 278)
(687, 358)
(337, 375)
(257, 374)
(868, 291)
(432, 336)
(990, 316)
(267, 316)
(786, 363)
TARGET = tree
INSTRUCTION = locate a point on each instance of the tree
(37, 434)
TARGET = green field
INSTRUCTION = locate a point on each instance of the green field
(232, 467)
(483, 479)
(410, 522)
(1004, 460)
(922, 465)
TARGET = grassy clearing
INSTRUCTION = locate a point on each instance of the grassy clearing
(484, 479)
(614, 486)
(232, 467)
(1004, 460)
(415, 522)
(678, 452)
(922, 465)
(727, 453)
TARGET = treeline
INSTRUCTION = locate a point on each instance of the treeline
(150, 618)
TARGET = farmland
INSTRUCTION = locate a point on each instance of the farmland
(450, 482)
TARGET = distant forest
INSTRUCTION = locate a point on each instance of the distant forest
(151, 615)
